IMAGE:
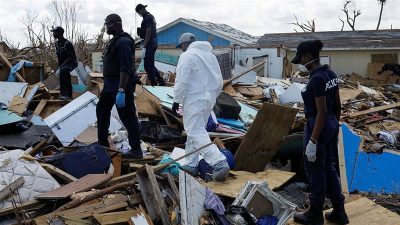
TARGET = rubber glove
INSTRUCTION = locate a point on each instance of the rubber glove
(58, 73)
(311, 151)
(175, 108)
(120, 100)
(143, 52)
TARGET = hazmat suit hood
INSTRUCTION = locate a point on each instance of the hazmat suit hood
(198, 73)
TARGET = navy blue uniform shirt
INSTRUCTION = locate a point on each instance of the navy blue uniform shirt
(119, 57)
(323, 82)
(66, 54)
(150, 21)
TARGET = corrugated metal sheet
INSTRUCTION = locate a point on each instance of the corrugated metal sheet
(369, 39)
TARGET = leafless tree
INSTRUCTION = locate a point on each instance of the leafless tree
(351, 19)
(308, 26)
(343, 23)
(382, 3)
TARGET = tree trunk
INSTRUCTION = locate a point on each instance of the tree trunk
(380, 17)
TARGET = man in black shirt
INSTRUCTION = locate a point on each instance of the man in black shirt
(148, 32)
(119, 85)
(66, 62)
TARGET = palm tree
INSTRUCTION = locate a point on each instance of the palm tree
(381, 2)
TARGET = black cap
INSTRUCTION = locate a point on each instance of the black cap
(57, 30)
(139, 7)
(113, 18)
(307, 47)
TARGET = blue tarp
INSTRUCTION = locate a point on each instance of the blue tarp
(16, 68)
(369, 172)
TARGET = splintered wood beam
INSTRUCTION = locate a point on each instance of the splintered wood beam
(11, 188)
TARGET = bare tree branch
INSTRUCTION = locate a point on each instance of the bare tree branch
(309, 26)
(351, 20)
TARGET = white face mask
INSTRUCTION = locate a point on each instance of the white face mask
(303, 68)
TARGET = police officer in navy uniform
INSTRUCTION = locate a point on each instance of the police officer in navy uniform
(119, 85)
(322, 110)
(66, 62)
(148, 32)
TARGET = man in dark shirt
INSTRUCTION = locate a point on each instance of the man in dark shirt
(119, 85)
(148, 32)
(66, 62)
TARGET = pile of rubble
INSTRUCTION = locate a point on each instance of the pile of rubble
(54, 172)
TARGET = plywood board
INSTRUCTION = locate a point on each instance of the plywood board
(18, 105)
(347, 94)
(265, 136)
(365, 212)
(232, 186)
(88, 136)
(83, 184)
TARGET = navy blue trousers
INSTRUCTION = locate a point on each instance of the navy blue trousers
(127, 115)
(151, 70)
(65, 82)
(322, 174)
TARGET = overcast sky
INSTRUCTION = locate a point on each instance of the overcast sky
(255, 17)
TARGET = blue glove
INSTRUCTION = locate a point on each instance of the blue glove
(120, 100)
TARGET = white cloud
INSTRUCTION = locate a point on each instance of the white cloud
(256, 17)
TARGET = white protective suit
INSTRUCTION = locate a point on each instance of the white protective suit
(197, 85)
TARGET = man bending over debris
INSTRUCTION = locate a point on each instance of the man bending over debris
(66, 62)
(119, 86)
(197, 86)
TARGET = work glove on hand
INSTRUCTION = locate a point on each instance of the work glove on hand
(175, 108)
(143, 54)
(58, 73)
(120, 100)
(311, 151)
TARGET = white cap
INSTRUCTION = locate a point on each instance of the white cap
(186, 37)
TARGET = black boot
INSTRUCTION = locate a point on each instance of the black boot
(337, 216)
(133, 154)
(309, 218)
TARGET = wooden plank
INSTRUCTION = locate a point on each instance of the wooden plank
(152, 197)
(85, 211)
(8, 64)
(232, 186)
(59, 173)
(114, 218)
(11, 188)
(83, 184)
(18, 105)
(174, 188)
(342, 166)
(37, 149)
(265, 136)
(374, 110)
(25, 206)
(365, 212)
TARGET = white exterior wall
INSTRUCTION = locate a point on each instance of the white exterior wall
(275, 63)
(348, 61)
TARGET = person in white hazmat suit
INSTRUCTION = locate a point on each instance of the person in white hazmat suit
(197, 85)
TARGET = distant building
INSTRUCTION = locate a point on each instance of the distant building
(219, 35)
(345, 51)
